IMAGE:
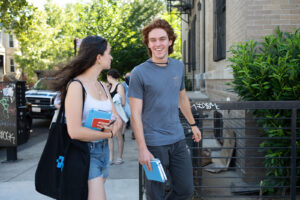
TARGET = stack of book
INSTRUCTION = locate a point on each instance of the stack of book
(96, 116)
(157, 173)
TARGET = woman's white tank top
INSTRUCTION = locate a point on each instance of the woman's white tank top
(92, 103)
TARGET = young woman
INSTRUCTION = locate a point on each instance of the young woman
(93, 57)
(117, 93)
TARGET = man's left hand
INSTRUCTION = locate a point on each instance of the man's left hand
(196, 133)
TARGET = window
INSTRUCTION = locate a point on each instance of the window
(1, 64)
(12, 65)
(11, 40)
(219, 51)
(189, 50)
(192, 46)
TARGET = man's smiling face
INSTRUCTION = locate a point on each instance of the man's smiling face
(159, 44)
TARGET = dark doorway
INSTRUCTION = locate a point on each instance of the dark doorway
(1, 64)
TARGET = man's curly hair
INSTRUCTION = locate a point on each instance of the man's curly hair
(163, 24)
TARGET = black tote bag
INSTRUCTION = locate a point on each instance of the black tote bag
(62, 172)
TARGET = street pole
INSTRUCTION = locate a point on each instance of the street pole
(75, 41)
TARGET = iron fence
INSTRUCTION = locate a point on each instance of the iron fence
(249, 150)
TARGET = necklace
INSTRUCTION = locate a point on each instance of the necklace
(157, 63)
(96, 85)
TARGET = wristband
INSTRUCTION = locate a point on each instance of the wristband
(194, 124)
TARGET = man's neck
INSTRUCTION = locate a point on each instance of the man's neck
(160, 62)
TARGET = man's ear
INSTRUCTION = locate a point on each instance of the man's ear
(170, 42)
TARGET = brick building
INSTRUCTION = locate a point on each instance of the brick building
(210, 27)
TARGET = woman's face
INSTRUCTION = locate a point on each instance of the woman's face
(109, 78)
(106, 58)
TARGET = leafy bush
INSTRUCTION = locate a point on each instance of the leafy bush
(268, 71)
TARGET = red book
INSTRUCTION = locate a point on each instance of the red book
(95, 122)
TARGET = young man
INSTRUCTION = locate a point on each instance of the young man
(156, 90)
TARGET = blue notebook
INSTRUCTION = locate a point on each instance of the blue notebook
(157, 173)
(95, 116)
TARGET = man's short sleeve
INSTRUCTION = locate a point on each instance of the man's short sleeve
(135, 85)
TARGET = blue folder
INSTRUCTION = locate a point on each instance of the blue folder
(95, 116)
(157, 173)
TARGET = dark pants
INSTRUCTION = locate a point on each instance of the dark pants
(175, 158)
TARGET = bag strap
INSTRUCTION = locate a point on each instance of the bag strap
(83, 92)
(61, 114)
(103, 89)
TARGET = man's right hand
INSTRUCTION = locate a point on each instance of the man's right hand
(144, 158)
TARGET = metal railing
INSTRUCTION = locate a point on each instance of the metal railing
(249, 150)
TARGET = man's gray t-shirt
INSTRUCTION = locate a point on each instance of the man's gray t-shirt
(159, 89)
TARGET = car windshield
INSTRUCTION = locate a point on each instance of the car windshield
(42, 84)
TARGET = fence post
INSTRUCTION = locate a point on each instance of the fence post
(11, 154)
(197, 152)
(141, 186)
(293, 154)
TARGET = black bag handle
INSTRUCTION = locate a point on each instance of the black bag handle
(61, 113)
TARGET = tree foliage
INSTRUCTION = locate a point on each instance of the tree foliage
(46, 42)
(121, 24)
(49, 39)
(15, 15)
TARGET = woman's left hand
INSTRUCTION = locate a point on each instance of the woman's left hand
(101, 125)
(107, 129)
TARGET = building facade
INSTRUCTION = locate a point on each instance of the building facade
(209, 29)
(8, 46)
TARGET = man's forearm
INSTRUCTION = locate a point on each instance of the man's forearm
(185, 107)
(137, 126)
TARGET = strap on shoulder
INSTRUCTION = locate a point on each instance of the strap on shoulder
(61, 114)
(83, 91)
(103, 89)
(116, 88)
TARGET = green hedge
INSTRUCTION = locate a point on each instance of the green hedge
(270, 71)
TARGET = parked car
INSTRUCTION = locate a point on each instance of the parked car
(41, 99)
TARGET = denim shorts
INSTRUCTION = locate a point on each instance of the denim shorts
(99, 159)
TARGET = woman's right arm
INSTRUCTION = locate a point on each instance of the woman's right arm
(73, 112)
(118, 123)
(121, 91)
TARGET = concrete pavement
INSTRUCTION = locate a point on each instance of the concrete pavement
(17, 178)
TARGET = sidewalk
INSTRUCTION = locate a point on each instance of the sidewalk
(17, 178)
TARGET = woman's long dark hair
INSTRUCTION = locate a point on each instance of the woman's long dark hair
(90, 47)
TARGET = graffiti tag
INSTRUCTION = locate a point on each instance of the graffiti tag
(7, 136)
(8, 92)
(4, 104)
(207, 106)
